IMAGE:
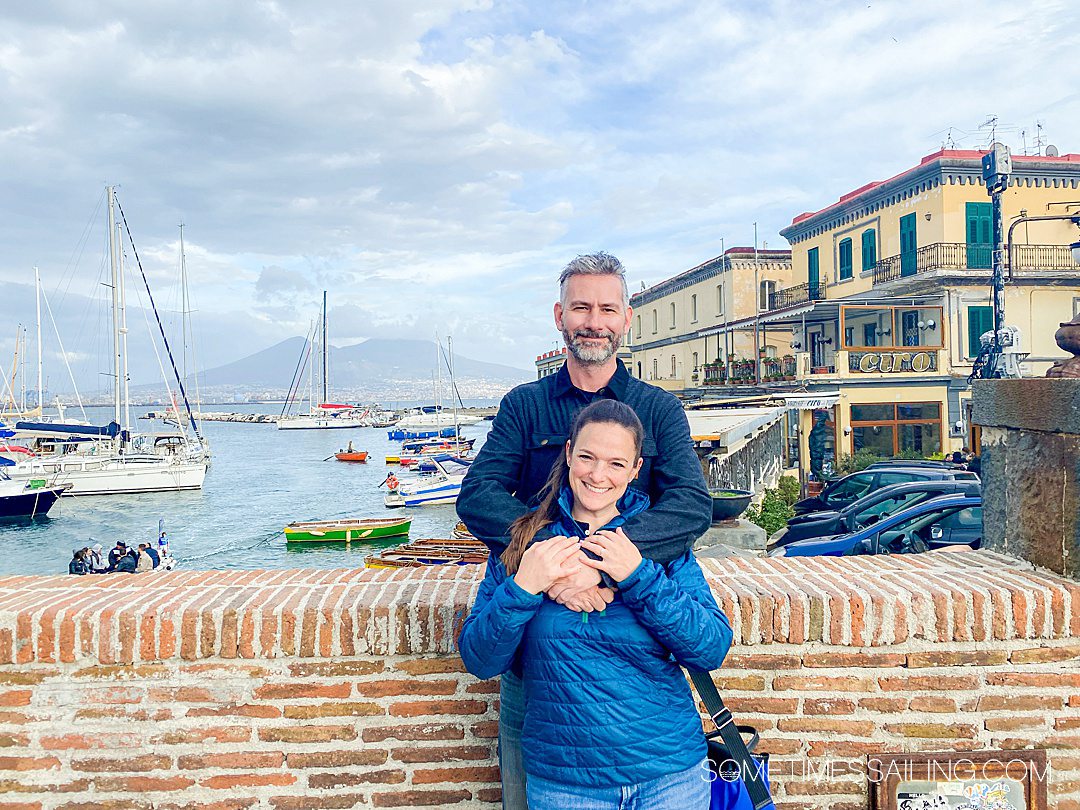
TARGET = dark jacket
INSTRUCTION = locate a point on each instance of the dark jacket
(529, 433)
(154, 556)
(78, 566)
(606, 702)
(114, 557)
(126, 564)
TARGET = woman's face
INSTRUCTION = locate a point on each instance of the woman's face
(602, 464)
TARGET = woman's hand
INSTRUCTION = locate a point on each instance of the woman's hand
(545, 562)
(619, 557)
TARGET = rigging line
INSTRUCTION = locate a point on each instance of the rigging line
(298, 372)
(63, 354)
(453, 381)
(77, 251)
(172, 360)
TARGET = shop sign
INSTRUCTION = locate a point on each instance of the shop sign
(889, 362)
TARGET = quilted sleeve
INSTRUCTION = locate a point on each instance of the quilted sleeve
(493, 629)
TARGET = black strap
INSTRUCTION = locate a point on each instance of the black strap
(733, 741)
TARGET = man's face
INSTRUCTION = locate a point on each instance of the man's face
(593, 318)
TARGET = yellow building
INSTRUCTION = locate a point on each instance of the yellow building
(892, 296)
(682, 326)
(550, 362)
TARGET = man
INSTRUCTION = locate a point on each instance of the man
(529, 433)
(116, 554)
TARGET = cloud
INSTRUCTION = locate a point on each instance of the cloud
(433, 164)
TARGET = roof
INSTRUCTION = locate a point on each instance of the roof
(707, 269)
(942, 156)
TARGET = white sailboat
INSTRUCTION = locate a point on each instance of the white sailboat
(107, 460)
(325, 416)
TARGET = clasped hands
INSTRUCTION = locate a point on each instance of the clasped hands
(559, 568)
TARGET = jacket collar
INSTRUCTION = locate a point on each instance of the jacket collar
(633, 502)
(615, 388)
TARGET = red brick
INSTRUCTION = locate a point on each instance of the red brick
(846, 660)
(329, 781)
(442, 753)
(423, 708)
(28, 763)
(142, 784)
(473, 774)
(123, 764)
(823, 683)
(221, 734)
(323, 802)
(241, 780)
(416, 732)
(232, 760)
(928, 683)
(958, 658)
(336, 759)
(1047, 679)
(307, 734)
(746, 704)
(856, 728)
(936, 731)
(420, 798)
(488, 730)
(1012, 723)
(16, 697)
(298, 691)
(336, 669)
(763, 661)
(14, 740)
(830, 706)
(413, 687)
(483, 688)
(333, 709)
(1043, 655)
(1019, 703)
(928, 703)
(430, 666)
(232, 710)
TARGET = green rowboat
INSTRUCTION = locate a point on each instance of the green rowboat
(360, 529)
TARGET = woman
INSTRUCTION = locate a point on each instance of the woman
(609, 717)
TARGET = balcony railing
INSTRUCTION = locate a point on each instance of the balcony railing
(799, 294)
(975, 258)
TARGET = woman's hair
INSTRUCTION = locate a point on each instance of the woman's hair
(524, 529)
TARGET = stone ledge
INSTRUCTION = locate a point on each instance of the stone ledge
(857, 602)
(1036, 403)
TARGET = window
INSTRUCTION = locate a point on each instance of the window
(909, 246)
(812, 271)
(720, 299)
(673, 372)
(654, 321)
(980, 250)
(890, 429)
(892, 327)
(672, 314)
(869, 250)
(980, 320)
(693, 308)
(695, 361)
(637, 330)
(767, 290)
(845, 259)
(655, 370)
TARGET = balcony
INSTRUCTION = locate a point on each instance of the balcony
(976, 259)
(799, 294)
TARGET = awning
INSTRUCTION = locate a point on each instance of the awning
(811, 402)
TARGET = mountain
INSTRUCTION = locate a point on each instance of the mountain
(377, 368)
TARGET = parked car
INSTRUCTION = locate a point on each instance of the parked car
(842, 492)
(914, 462)
(948, 520)
(869, 509)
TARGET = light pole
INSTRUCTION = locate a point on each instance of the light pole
(996, 168)
(757, 315)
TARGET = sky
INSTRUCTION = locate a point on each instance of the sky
(433, 164)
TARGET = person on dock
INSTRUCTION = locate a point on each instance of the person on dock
(609, 713)
(116, 554)
(98, 563)
(529, 434)
(78, 564)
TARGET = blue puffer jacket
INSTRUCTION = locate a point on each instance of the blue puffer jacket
(606, 701)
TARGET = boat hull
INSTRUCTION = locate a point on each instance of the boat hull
(345, 534)
(351, 456)
(317, 423)
(32, 503)
(115, 476)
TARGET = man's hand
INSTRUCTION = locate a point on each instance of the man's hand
(544, 564)
(588, 600)
(579, 591)
(618, 556)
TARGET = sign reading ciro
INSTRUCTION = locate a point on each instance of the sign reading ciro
(889, 362)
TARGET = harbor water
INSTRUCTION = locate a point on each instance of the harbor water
(261, 479)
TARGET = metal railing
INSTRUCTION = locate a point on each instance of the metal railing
(975, 258)
(799, 294)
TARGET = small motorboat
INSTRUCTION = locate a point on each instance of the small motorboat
(356, 455)
(347, 530)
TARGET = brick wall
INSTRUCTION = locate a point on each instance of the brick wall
(327, 689)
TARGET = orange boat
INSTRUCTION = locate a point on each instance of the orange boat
(358, 455)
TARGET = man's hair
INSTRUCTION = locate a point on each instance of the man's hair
(594, 264)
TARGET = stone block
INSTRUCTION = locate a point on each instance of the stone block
(1039, 403)
(738, 534)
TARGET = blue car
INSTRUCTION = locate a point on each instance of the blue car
(949, 520)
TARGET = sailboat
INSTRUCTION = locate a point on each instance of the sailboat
(327, 415)
(436, 416)
(109, 459)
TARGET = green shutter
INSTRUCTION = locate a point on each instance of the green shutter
(979, 235)
(812, 272)
(980, 320)
(908, 246)
(845, 259)
(869, 250)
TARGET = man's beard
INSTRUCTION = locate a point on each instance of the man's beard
(588, 354)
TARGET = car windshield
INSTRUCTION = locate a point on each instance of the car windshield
(918, 522)
(850, 489)
(888, 506)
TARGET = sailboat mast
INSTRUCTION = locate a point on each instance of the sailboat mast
(183, 300)
(453, 387)
(123, 327)
(325, 352)
(37, 301)
(111, 193)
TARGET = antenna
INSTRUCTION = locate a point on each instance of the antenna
(991, 122)
(1040, 142)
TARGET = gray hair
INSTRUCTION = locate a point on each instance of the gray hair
(594, 264)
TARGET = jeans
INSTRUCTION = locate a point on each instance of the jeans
(511, 720)
(685, 790)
